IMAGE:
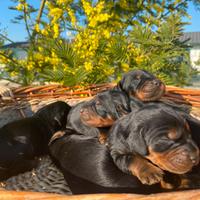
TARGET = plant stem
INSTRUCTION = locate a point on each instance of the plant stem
(34, 33)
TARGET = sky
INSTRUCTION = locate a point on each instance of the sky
(16, 32)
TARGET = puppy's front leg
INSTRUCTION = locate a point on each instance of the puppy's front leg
(103, 134)
(102, 138)
(145, 171)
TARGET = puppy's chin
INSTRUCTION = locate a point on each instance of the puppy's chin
(178, 161)
(150, 92)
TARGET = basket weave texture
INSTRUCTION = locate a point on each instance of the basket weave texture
(24, 101)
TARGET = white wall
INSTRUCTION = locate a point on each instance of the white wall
(194, 56)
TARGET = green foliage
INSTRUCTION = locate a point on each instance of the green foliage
(70, 72)
(107, 39)
(168, 57)
(65, 77)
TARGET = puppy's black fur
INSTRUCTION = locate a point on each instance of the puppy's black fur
(22, 140)
(194, 125)
(154, 133)
(88, 167)
(97, 115)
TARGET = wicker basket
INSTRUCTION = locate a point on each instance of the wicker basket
(24, 101)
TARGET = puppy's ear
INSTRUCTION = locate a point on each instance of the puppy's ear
(137, 142)
(125, 83)
(119, 85)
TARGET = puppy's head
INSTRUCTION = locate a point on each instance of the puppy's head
(55, 114)
(104, 109)
(167, 139)
(142, 85)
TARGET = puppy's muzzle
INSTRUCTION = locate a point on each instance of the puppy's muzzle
(85, 114)
(179, 160)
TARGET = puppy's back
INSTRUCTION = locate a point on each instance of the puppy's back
(88, 167)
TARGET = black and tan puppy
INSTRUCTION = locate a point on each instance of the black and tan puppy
(152, 140)
(93, 118)
(22, 140)
(96, 116)
(88, 167)
(141, 85)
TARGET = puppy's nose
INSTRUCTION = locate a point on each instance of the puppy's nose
(83, 111)
(193, 158)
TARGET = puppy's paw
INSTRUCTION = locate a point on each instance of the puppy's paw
(102, 138)
(145, 171)
(150, 174)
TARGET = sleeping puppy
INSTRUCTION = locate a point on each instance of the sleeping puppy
(151, 140)
(23, 140)
(141, 85)
(88, 167)
(94, 118)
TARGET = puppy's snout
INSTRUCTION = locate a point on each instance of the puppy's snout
(194, 153)
(193, 158)
(84, 114)
(83, 111)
